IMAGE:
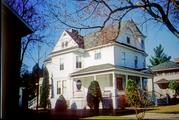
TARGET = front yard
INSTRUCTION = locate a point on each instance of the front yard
(161, 112)
(166, 109)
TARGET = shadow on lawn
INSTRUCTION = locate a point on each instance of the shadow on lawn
(72, 114)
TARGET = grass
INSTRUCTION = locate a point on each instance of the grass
(107, 118)
(161, 109)
(165, 109)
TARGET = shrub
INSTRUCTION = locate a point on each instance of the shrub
(61, 104)
(173, 85)
(136, 99)
(94, 95)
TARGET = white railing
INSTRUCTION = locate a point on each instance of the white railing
(32, 102)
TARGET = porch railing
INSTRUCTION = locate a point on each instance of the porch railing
(32, 103)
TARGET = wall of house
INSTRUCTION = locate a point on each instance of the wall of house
(129, 57)
(107, 56)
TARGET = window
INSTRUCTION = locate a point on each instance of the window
(97, 55)
(128, 40)
(136, 62)
(144, 64)
(120, 83)
(78, 62)
(63, 45)
(64, 87)
(66, 44)
(61, 64)
(58, 87)
(123, 58)
(142, 44)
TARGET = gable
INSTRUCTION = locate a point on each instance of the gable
(65, 41)
(131, 35)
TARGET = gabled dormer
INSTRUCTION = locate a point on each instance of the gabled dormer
(69, 39)
(131, 35)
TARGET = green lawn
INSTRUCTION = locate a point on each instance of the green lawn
(107, 118)
(166, 109)
(160, 109)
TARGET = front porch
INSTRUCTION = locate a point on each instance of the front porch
(112, 81)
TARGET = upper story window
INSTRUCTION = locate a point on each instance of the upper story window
(97, 55)
(78, 62)
(61, 64)
(144, 64)
(123, 58)
(128, 40)
(136, 62)
(142, 44)
(63, 45)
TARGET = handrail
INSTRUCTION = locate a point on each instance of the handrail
(32, 102)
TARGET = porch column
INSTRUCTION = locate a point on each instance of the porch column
(126, 79)
(114, 92)
(141, 83)
(94, 77)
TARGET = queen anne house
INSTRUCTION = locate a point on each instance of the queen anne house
(109, 56)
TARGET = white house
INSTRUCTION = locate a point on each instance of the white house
(100, 56)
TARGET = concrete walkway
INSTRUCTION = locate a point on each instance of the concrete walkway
(157, 116)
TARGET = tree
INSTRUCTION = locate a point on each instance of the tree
(137, 99)
(45, 89)
(28, 11)
(173, 85)
(94, 96)
(98, 13)
(159, 56)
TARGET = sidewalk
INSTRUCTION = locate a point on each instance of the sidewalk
(156, 116)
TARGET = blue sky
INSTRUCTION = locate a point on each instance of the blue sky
(155, 34)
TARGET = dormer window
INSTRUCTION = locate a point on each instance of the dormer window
(128, 40)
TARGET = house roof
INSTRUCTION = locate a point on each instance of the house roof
(107, 67)
(166, 66)
(76, 37)
(109, 34)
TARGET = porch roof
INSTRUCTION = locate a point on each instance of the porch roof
(107, 68)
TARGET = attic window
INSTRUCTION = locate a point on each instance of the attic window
(128, 40)
(62, 44)
(66, 44)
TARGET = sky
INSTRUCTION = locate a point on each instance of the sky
(155, 34)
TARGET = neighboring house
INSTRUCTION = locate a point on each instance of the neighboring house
(163, 73)
(98, 56)
(12, 30)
